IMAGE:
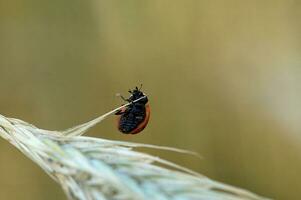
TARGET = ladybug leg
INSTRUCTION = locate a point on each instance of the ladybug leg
(124, 99)
(119, 112)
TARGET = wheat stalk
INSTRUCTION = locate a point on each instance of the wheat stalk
(90, 168)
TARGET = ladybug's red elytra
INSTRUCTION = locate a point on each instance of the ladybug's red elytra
(133, 118)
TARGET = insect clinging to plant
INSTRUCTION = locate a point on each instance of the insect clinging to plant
(133, 118)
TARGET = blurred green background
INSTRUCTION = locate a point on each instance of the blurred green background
(223, 79)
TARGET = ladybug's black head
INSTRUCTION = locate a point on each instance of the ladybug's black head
(137, 94)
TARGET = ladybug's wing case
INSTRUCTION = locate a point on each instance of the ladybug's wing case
(133, 119)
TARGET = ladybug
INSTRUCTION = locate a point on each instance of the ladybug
(133, 118)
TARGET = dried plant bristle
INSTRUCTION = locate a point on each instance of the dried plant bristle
(90, 168)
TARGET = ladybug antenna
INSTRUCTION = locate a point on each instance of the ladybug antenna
(138, 89)
(140, 86)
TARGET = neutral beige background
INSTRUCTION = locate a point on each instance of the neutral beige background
(223, 78)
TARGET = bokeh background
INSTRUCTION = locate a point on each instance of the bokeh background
(223, 79)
